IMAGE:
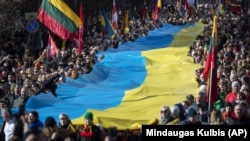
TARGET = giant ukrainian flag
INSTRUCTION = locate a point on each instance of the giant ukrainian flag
(131, 83)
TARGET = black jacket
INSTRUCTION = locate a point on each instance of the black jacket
(18, 131)
(96, 134)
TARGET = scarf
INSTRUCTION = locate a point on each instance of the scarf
(86, 131)
(164, 121)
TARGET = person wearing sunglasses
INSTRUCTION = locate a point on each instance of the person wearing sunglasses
(165, 115)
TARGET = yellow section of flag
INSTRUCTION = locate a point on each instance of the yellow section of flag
(102, 20)
(66, 10)
(159, 3)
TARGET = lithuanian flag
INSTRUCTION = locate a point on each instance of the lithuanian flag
(59, 18)
(209, 72)
(211, 50)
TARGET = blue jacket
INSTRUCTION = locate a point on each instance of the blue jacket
(36, 124)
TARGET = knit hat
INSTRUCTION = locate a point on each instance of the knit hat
(88, 115)
(235, 83)
(191, 113)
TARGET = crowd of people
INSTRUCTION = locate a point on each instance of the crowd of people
(232, 65)
(27, 71)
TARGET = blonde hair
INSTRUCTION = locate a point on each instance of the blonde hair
(48, 131)
(166, 108)
(216, 118)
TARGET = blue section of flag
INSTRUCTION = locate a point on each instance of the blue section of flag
(121, 69)
(108, 26)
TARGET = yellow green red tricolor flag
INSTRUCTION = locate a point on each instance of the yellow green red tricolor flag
(210, 53)
(59, 18)
(209, 71)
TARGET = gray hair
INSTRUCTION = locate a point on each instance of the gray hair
(63, 115)
(175, 111)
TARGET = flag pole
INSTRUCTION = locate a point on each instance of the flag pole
(210, 87)
(47, 47)
(27, 45)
